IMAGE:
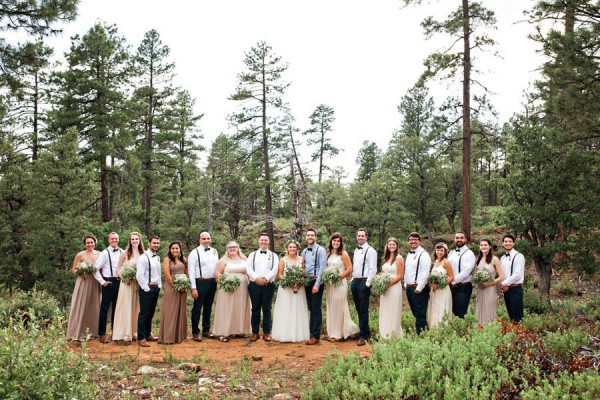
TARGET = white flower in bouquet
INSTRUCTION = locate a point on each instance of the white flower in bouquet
(331, 276)
(294, 276)
(84, 268)
(379, 284)
(229, 282)
(128, 271)
(481, 276)
(438, 277)
(181, 282)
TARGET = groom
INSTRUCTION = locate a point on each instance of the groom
(315, 258)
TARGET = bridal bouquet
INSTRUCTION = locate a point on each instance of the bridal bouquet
(438, 277)
(229, 282)
(379, 284)
(481, 276)
(84, 268)
(181, 282)
(331, 276)
(128, 271)
(294, 276)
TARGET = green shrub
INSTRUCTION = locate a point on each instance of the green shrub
(25, 306)
(565, 287)
(564, 344)
(585, 385)
(36, 363)
(532, 303)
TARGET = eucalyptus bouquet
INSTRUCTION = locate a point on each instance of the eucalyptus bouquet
(128, 271)
(438, 277)
(379, 284)
(181, 282)
(84, 268)
(294, 276)
(481, 276)
(331, 276)
(229, 282)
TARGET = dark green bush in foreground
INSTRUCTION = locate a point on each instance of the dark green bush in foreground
(35, 363)
(24, 306)
(459, 361)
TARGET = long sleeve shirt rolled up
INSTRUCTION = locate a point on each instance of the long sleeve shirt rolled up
(463, 262)
(417, 266)
(106, 264)
(364, 263)
(315, 260)
(148, 270)
(262, 264)
(513, 265)
(202, 264)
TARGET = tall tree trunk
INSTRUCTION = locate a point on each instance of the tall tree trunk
(268, 198)
(104, 191)
(36, 100)
(466, 110)
(298, 217)
(303, 187)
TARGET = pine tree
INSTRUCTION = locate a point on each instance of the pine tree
(321, 125)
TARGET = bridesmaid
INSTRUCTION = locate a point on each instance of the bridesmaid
(128, 303)
(85, 303)
(232, 313)
(290, 316)
(390, 304)
(440, 300)
(339, 322)
(173, 314)
(487, 295)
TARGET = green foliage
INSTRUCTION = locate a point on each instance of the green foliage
(565, 344)
(566, 287)
(532, 303)
(36, 363)
(36, 305)
(585, 385)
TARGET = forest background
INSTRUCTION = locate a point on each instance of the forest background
(101, 139)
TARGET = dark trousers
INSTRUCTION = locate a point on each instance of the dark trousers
(314, 302)
(109, 297)
(261, 298)
(461, 296)
(207, 288)
(148, 302)
(361, 295)
(513, 298)
(418, 306)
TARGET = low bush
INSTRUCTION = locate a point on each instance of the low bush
(25, 306)
(36, 363)
(565, 287)
(532, 303)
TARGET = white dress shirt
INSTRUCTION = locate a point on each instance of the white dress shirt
(262, 265)
(464, 258)
(364, 267)
(206, 267)
(417, 266)
(515, 260)
(108, 258)
(148, 273)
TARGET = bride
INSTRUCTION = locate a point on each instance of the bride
(290, 316)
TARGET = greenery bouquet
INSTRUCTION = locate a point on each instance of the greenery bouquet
(229, 282)
(128, 271)
(84, 268)
(481, 276)
(438, 278)
(181, 282)
(379, 284)
(294, 276)
(331, 276)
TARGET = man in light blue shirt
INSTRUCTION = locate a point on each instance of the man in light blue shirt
(315, 258)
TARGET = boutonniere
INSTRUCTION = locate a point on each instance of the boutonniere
(214, 251)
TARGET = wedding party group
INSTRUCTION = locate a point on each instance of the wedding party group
(127, 284)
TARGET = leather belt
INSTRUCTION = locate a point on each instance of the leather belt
(412, 284)
(153, 285)
(515, 285)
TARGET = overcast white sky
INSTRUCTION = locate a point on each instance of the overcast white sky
(357, 56)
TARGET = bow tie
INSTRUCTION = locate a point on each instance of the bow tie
(115, 250)
(458, 250)
(153, 255)
(263, 252)
(411, 252)
(309, 249)
(207, 249)
(359, 248)
(508, 255)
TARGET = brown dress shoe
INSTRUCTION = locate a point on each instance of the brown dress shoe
(267, 337)
(196, 338)
(207, 334)
(152, 338)
(312, 341)
(143, 343)
(103, 339)
(361, 342)
(254, 337)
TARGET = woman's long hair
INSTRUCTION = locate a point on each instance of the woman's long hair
(490, 254)
(129, 248)
(391, 255)
(336, 235)
(181, 256)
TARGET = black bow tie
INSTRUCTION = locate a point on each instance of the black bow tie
(458, 250)
(508, 255)
(206, 248)
(359, 248)
(115, 250)
(309, 249)
(153, 255)
(411, 252)
(263, 252)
